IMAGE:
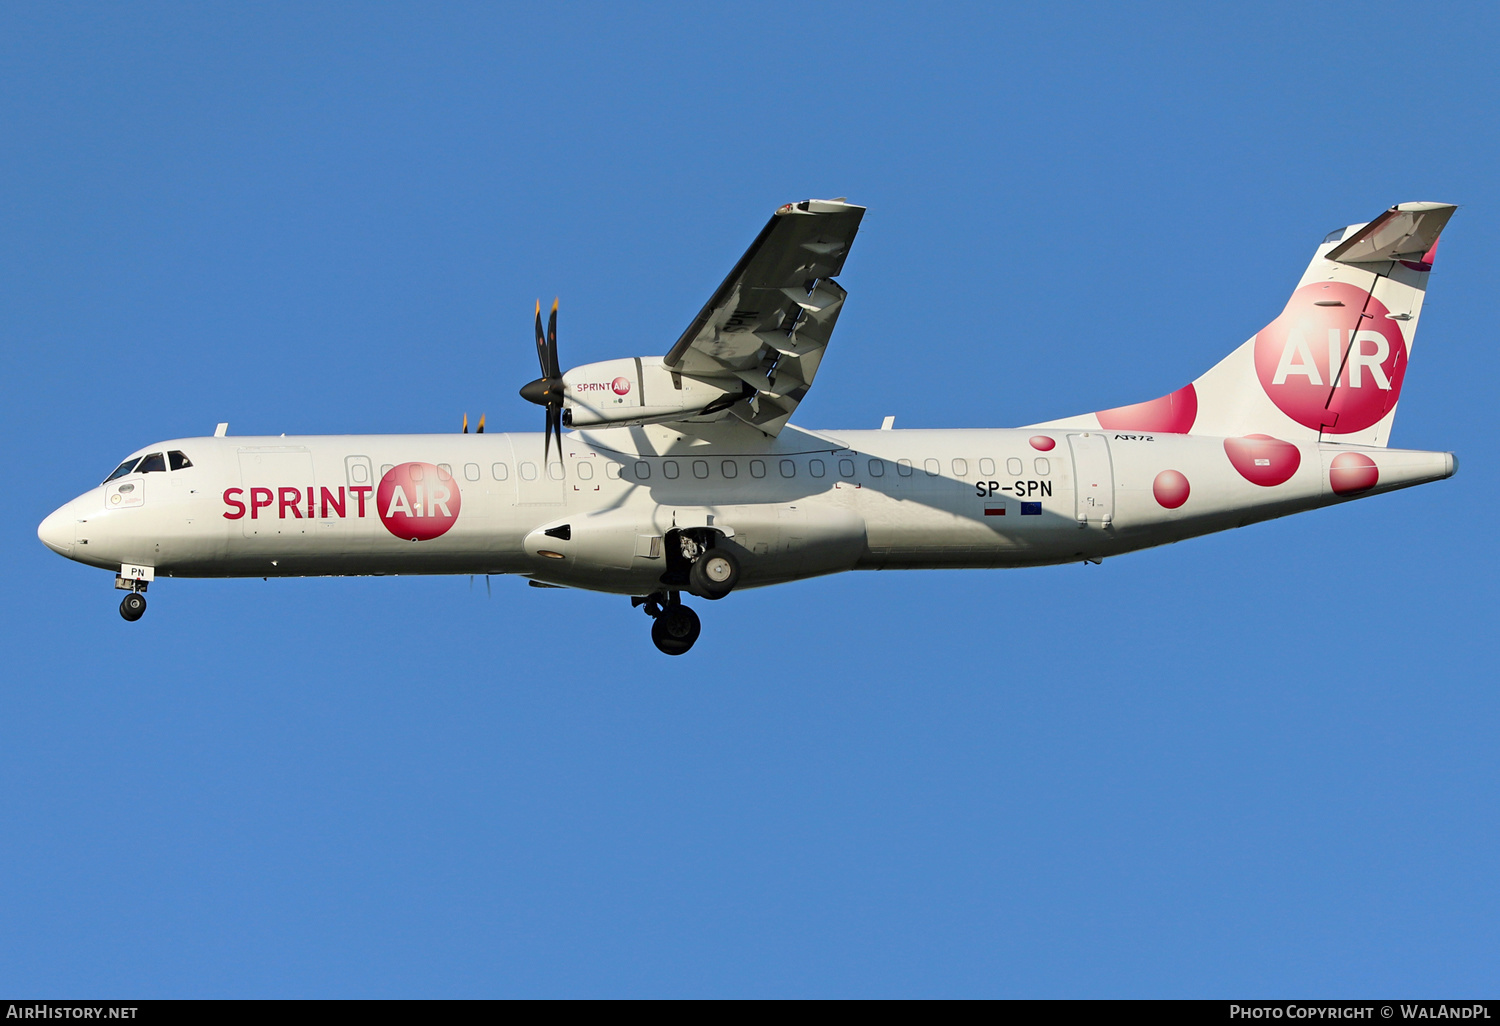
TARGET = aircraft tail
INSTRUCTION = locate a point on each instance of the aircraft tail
(1331, 366)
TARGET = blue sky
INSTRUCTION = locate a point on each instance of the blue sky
(1258, 763)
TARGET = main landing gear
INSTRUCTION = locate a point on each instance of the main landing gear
(674, 626)
(708, 569)
(699, 565)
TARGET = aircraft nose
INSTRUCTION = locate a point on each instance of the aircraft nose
(56, 532)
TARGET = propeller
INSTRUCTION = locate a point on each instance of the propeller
(547, 390)
(479, 430)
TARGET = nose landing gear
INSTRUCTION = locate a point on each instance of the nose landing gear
(133, 606)
(674, 626)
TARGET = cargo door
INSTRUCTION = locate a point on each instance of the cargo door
(1093, 480)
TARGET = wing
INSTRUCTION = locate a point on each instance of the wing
(769, 322)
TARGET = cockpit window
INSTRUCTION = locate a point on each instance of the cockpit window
(178, 460)
(151, 464)
(123, 469)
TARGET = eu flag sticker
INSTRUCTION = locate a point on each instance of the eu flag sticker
(1031, 509)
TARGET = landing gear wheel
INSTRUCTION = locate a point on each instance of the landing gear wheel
(675, 630)
(133, 606)
(714, 575)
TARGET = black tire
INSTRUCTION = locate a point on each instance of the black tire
(133, 606)
(675, 630)
(715, 574)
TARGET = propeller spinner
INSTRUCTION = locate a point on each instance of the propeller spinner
(547, 390)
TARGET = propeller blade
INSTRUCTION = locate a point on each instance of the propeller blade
(480, 429)
(541, 341)
(466, 424)
(547, 445)
(553, 370)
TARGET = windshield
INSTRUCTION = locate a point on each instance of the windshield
(123, 469)
(153, 464)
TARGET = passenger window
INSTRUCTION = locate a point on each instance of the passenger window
(642, 470)
(1013, 467)
(877, 468)
(669, 470)
(555, 471)
(960, 468)
(471, 472)
(1043, 466)
(445, 472)
(177, 460)
(612, 471)
(528, 471)
(987, 466)
(846, 468)
(700, 469)
(932, 467)
(757, 468)
(788, 468)
(585, 470)
(122, 469)
(731, 469)
(904, 467)
(417, 472)
(499, 471)
(815, 468)
(385, 468)
(152, 464)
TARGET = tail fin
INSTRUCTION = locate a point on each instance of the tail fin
(1331, 366)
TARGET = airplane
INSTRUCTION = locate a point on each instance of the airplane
(659, 476)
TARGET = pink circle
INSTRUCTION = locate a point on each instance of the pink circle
(1171, 489)
(418, 501)
(1173, 414)
(1351, 473)
(1042, 443)
(1296, 354)
(1263, 460)
(620, 385)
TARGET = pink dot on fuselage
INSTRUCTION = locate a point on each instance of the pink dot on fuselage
(1351, 473)
(1170, 489)
(1042, 443)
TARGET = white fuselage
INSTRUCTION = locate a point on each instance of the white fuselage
(797, 505)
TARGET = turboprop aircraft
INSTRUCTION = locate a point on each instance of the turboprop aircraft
(663, 475)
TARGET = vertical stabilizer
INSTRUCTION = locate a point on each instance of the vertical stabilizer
(1331, 366)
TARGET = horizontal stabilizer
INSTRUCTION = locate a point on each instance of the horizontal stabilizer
(1407, 231)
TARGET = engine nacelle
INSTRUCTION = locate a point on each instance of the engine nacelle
(642, 390)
